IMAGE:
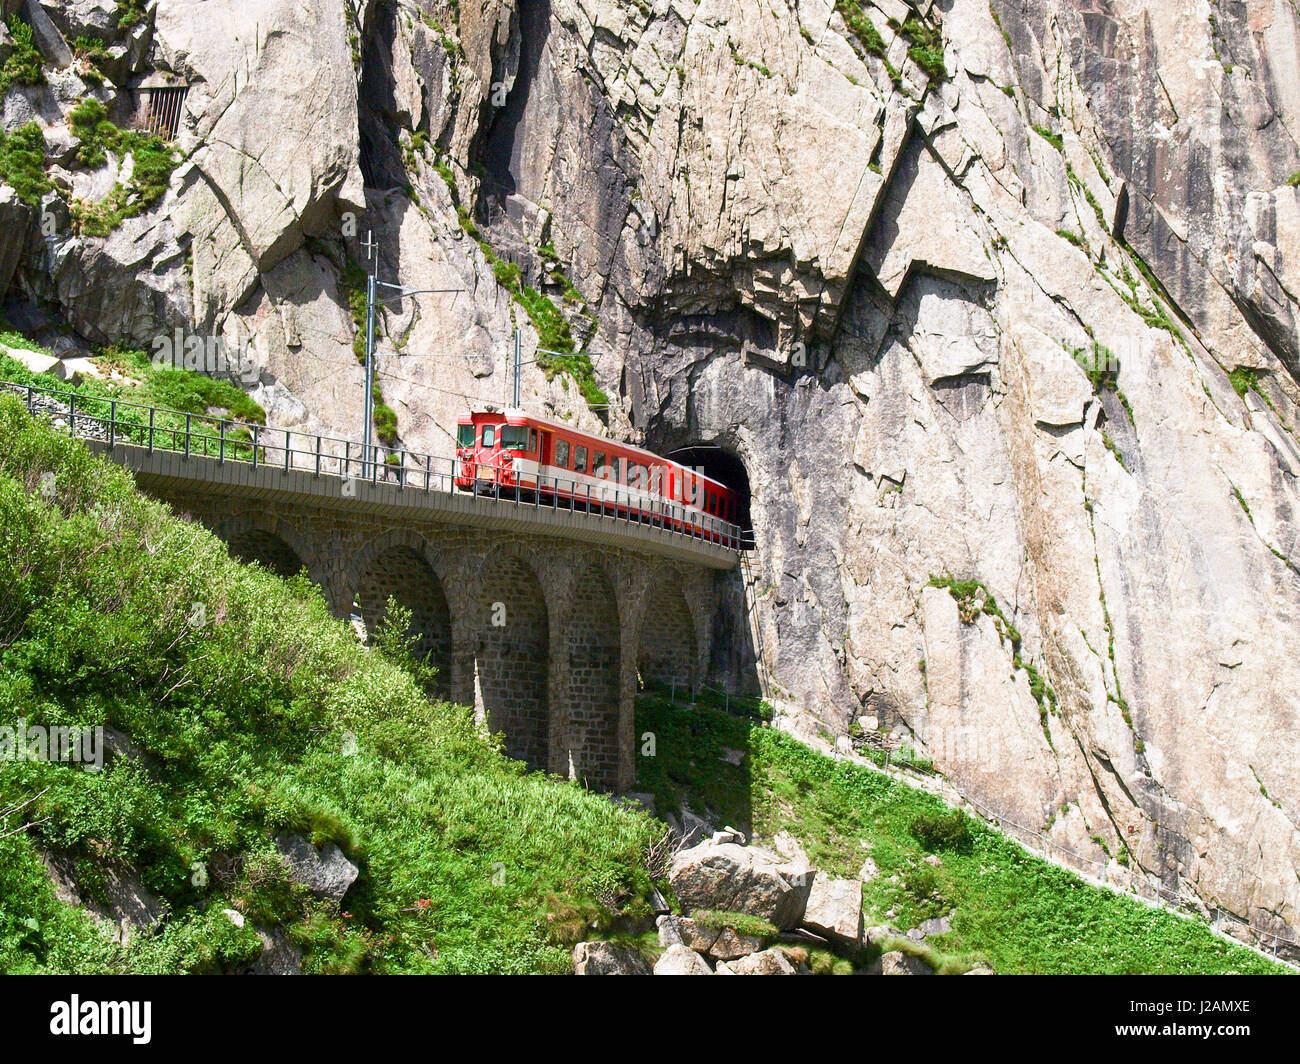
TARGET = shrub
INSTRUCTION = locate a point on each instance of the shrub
(940, 831)
(22, 162)
(23, 67)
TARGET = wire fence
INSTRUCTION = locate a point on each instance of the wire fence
(116, 421)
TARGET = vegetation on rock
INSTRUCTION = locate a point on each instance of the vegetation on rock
(23, 67)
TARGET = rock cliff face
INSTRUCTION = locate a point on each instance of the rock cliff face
(1008, 297)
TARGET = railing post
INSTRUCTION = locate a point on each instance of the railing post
(287, 452)
(256, 433)
(31, 400)
(187, 435)
(72, 413)
(151, 413)
(318, 455)
(112, 423)
(221, 446)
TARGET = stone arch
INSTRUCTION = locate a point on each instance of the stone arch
(396, 566)
(268, 549)
(667, 647)
(512, 657)
(593, 688)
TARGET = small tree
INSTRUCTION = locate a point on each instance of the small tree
(396, 639)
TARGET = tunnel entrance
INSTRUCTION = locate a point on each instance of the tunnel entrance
(719, 464)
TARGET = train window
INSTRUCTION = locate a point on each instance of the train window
(713, 503)
(598, 464)
(489, 435)
(580, 459)
(465, 435)
(562, 453)
(532, 440)
(514, 438)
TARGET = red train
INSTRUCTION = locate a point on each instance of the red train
(517, 452)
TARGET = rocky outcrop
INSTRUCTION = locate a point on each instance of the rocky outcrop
(118, 899)
(767, 962)
(681, 960)
(834, 910)
(324, 871)
(607, 958)
(896, 963)
(728, 877)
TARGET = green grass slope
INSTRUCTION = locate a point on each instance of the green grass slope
(265, 715)
(1010, 909)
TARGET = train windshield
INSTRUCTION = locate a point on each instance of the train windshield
(514, 438)
(465, 435)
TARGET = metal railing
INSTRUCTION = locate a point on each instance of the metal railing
(115, 421)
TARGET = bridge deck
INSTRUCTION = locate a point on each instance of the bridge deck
(168, 448)
(172, 469)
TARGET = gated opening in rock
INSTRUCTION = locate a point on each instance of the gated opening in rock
(159, 106)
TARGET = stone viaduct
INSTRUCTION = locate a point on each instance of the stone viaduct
(544, 621)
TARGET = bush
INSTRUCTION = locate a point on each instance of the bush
(23, 67)
(22, 162)
(938, 831)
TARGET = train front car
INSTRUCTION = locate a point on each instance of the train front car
(495, 450)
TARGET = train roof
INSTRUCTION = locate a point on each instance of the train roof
(566, 427)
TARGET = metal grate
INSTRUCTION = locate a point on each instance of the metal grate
(160, 108)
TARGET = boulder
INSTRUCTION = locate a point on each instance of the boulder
(768, 962)
(119, 898)
(46, 36)
(834, 910)
(679, 960)
(670, 932)
(691, 829)
(732, 878)
(84, 18)
(33, 360)
(720, 943)
(939, 926)
(607, 958)
(326, 871)
(868, 871)
(279, 956)
(898, 963)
